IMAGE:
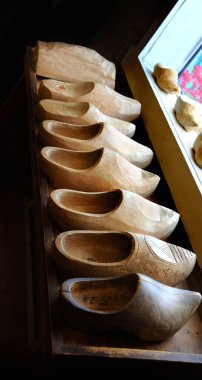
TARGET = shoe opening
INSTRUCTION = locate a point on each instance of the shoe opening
(105, 295)
(96, 247)
(87, 202)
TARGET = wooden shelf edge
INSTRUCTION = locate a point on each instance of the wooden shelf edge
(184, 190)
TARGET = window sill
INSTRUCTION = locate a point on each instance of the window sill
(172, 146)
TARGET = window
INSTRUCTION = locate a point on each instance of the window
(178, 37)
(190, 77)
(176, 40)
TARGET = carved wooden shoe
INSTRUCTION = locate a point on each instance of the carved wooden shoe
(197, 148)
(188, 113)
(73, 63)
(108, 254)
(117, 210)
(134, 304)
(103, 97)
(166, 78)
(94, 136)
(81, 113)
(97, 170)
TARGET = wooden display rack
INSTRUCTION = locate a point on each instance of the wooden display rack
(53, 337)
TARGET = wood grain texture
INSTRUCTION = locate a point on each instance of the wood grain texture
(97, 170)
(65, 342)
(80, 113)
(134, 304)
(107, 100)
(119, 210)
(110, 253)
(70, 63)
(93, 136)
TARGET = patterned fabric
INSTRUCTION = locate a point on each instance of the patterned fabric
(190, 80)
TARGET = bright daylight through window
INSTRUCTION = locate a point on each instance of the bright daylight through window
(190, 78)
(175, 50)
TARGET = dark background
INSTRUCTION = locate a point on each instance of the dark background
(110, 27)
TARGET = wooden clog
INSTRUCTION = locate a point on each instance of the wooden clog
(188, 113)
(117, 210)
(109, 254)
(97, 170)
(72, 63)
(81, 113)
(197, 148)
(134, 304)
(94, 136)
(166, 78)
(103, 97)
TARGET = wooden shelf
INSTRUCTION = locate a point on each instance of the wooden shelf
(55, 337)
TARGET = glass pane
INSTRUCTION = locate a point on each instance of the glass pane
(190, 79)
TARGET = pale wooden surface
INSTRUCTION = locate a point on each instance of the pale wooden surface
(75, 347)
(119, 210)
(80, 113)
(112, 253)
(134, 304)
(167, 79)
(107, 100)
(188, 113)
(71, 63)
(90, 137)
(97, 170)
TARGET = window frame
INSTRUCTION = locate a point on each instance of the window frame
(175, 52)
(172, 144)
